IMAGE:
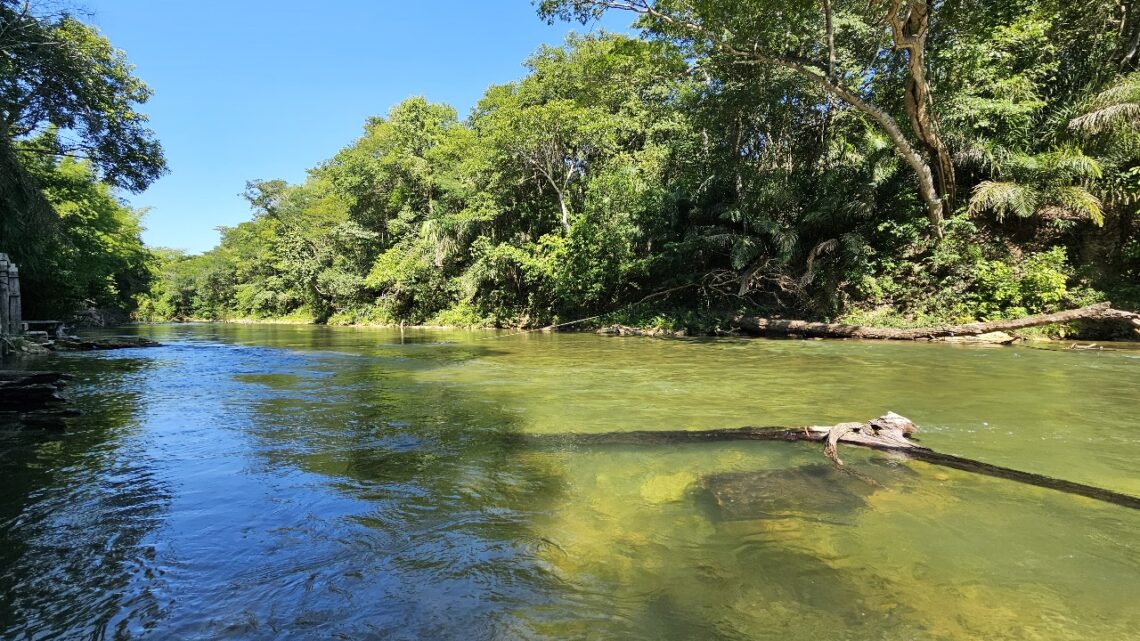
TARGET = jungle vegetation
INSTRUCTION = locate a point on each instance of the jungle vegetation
(888, 162)
(71, 138)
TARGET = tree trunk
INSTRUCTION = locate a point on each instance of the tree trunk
(909, 29)
(565, 211)
(769, 326)
(1129, 36)
(930, 188)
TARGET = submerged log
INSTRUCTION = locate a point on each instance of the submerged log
(18, 377)
(48, 419)
(890, 432)
(992, 338)
(626, 330)
(770, 326)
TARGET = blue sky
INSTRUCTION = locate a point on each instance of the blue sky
(267, 89)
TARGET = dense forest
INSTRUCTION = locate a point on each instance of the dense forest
(71, 139)
(892, 162)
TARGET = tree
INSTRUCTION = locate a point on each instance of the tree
(717, 166)
(57, 72)
(799, 38)
(556, 141)
(94, 253)
(68, 117)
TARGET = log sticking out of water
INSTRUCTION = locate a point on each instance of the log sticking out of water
(890, 432)
(33, 398)
(770, 326)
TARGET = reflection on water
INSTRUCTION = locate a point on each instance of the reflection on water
(294, 482)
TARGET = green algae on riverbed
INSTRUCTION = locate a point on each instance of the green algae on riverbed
(265, 482)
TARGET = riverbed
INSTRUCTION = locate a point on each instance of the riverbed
(308, 482)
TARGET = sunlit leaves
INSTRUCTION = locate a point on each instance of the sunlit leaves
(619, 169)
(56, 71)
(1004, 198)
(1054, 182)
(1117, 107)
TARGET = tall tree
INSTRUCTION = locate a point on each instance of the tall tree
(65, 93)
(799, 36)
(56, 72)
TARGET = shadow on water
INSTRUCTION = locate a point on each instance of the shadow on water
(314, 493)
(357, 500)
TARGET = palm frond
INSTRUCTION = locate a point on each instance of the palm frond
(1004, 198)
(1126, 90)
(1080, 201)
(975, 156)
(744, 251)
(1115, 106)
(1107, 118)
(1019, 162)
(1071, 162)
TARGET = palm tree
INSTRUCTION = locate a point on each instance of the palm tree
(1054, 185)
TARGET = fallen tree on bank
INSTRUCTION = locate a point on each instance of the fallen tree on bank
(781, 327)
(890, 432)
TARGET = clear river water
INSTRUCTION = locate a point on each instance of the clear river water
(304, 482)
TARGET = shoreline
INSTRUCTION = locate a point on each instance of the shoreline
(614, 330)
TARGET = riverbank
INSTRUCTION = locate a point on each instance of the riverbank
(1093, 322)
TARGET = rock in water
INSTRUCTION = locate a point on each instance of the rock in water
(73, 343)
(811, 491)
(30, 398)
(992, 338)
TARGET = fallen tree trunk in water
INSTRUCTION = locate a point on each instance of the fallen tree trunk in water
(771, 326)
(890, 432)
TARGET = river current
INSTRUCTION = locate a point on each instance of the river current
(305, 482)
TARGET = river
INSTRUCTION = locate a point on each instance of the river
(306, 482)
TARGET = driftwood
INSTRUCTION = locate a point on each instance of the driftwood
(771, 326)
(33, 398)
(890, 432)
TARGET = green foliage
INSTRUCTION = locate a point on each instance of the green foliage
(1116, 109)
(91, 255)
(57, 72)
(1051, 184)
(657, 182)
(69, 134)
(1038, 283)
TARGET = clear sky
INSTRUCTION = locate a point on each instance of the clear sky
(248, 89)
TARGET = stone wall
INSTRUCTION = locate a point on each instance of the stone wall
(11, 319)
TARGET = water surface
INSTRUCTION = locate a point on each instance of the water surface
(297, 482)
